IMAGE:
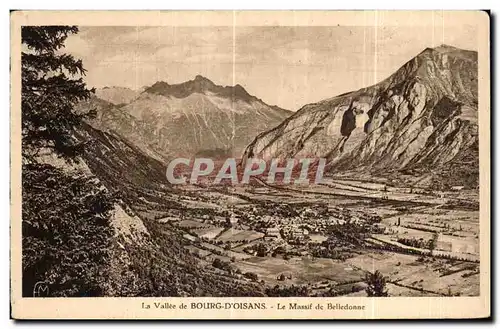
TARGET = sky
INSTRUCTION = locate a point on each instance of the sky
(283, 65)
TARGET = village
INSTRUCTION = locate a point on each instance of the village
(280, 237)
(284, 232)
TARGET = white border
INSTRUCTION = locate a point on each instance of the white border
(189, 4)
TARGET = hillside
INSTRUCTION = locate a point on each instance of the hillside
(148, 258)
(421, 119)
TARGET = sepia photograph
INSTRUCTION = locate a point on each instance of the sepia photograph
(246, 159)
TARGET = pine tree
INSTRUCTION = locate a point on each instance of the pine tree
(65, 217)
(376, 285)
(50, 90)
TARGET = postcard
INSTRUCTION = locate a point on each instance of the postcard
(250, 165)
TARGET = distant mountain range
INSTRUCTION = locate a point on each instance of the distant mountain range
(420, 121)
(186, 119)
(117, 95)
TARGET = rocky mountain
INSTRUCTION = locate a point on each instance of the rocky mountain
(421, 119)
(196, 117)
(117, 95)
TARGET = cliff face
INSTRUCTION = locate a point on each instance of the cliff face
(422, 117)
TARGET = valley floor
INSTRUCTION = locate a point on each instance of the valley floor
(327, 237)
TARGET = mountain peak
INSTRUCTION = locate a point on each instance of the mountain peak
(447, 47)
(239, 90)
(201, 78)
(116, 95)
(444, 57)
(199, 84)
(158, 84)
(447, 50)
(203, 85)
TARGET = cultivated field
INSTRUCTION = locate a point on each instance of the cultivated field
(426, 243)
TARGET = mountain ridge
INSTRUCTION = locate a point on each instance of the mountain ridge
(409, 120)
(201, 84)
(169, 120)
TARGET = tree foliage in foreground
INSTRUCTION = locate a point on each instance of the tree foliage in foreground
(51, 87)
(66, 232)
(376, 285)
(65, 217)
